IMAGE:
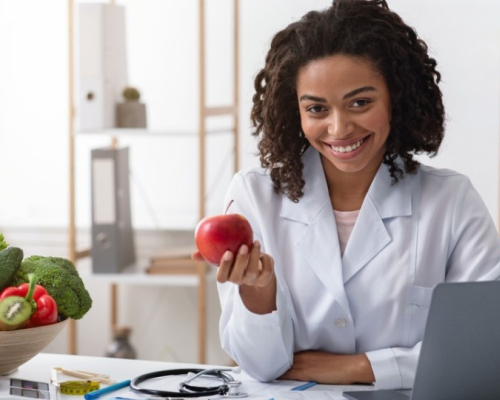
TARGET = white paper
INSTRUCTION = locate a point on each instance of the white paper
(103, 181)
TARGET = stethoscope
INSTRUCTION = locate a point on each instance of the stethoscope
(228, 388)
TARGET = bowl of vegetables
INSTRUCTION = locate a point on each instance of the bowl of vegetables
(38, 295)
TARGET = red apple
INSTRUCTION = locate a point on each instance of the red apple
(216, 234)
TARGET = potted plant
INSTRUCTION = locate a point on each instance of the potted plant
(131, 113)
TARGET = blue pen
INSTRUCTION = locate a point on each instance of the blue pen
(305, 386)
(98, 393)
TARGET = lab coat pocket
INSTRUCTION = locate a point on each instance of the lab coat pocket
(421, 296)
(420, 302)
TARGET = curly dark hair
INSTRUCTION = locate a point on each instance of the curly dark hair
(358, 28)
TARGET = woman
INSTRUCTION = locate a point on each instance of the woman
(352, 233)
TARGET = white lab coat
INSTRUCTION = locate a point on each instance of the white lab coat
(430, 227)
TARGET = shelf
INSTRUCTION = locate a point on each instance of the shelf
(136, 275)
(145, 132)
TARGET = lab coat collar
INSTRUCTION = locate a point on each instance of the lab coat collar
(384, 200)
(390, 200)
(315, 191)
(387, 200)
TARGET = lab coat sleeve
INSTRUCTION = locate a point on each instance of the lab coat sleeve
(473, 255)
(474, 251)
(394, 368)
(261, 344)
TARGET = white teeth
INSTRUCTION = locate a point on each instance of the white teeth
(347, 149)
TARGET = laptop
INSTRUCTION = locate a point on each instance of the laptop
(460, 353)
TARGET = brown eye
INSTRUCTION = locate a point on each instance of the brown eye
(360, 103)
(315, 109)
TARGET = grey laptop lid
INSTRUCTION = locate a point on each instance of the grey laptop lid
(460, 353)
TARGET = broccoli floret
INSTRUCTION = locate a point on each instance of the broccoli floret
(61, 280)
(3, 243)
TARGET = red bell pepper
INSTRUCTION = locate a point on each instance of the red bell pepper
(46, 312)
(46, 307)
(22, 291)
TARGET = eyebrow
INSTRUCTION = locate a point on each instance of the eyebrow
(346, 96)
(358, 91)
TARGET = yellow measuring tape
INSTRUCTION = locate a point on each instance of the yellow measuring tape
(78, 388)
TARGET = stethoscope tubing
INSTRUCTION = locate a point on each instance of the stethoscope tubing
(184, 389)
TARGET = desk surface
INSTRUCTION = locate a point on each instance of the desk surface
(39, 369)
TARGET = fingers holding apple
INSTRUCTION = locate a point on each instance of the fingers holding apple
(258, 269)
(249, 267)
(233, 268)
(196, 256)
(266, 271)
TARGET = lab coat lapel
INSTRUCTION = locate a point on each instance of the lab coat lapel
(317, 239)
(370, 235)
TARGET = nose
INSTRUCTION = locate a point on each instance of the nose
(340, 124)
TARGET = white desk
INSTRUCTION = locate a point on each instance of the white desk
(39, 369)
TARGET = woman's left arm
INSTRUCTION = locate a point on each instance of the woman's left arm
(328, 368)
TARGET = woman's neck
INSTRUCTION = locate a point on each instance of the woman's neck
(348, 189)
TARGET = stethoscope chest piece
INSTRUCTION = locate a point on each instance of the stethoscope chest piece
(233, 390)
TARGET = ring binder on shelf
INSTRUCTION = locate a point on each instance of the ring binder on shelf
(112, 234)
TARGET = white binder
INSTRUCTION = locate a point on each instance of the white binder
(101, 65)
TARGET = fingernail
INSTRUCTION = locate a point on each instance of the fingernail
(256, 243)
(228, 256)
(243, 249)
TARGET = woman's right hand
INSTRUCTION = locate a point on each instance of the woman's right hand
(247, 267)
(253, 272)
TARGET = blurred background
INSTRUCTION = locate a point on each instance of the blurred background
(162, 38)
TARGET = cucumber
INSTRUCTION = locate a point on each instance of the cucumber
(10, 261)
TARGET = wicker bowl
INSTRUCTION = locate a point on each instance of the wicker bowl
(19, 346)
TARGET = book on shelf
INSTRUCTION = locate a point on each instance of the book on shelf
(173, 261)
(180, 252)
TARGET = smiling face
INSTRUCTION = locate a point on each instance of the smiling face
(345, 112)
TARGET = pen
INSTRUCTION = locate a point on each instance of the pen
(98, 393)
(305, 386)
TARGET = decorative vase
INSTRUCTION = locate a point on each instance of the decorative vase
(131, 114)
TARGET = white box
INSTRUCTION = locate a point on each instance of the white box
(101, 64)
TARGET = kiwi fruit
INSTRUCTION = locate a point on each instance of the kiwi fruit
(15, 312)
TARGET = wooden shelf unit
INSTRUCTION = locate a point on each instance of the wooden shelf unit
(205, 112)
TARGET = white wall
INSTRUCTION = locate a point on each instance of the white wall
(163, 63)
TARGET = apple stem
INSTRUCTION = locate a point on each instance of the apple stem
(229, 205)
